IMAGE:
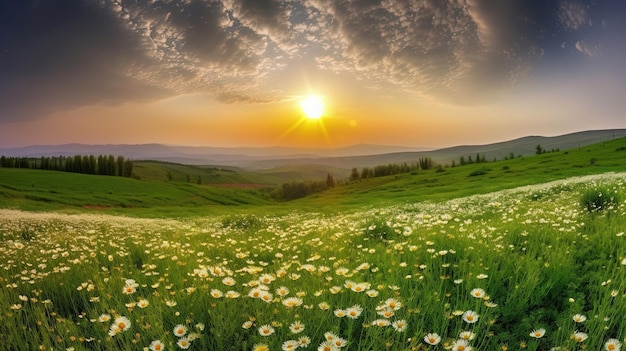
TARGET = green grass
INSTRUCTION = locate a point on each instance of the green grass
(153, 195)
(418, 249)
(538, 256)
(47, 190)
(433, 185)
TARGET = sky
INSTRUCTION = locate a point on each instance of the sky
(423, 73)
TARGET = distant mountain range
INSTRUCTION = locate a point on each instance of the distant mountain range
(363, 155)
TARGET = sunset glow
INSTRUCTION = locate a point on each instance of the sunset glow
(238, 73)
(313, 107)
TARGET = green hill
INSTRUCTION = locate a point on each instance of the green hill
(166, 189)
(49, 190)
(478, 178)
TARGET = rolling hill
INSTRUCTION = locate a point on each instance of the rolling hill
(339, 158)
(51, 190)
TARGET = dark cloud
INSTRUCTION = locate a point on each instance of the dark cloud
(60, 54)
(459, 51)
(65, 54)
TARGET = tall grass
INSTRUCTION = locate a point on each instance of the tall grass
(488, 269)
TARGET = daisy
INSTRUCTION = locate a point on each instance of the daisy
(461, 345)
(255, 293)
(294, 276)
(380, 322)
(432, 338)
(342, 271)
(119, 325)
(247, 324)
(354, 312)
(282, 291)
(183, 343)
(156, 345)
(296, 327)
(579, 336)
(229, 281)
(323, 306)
(361, 287)
(387, 313)
(579, 318)
(467, 335)
(393, 304)
(202, 273)
(612, 345)
(372, 293)
(330, 336)
(216, 271)
(478, 293)
(180, 330)
(399, 325)
(143, 303)
(470, 316)
(232, 294)
(260, 347)
(128, 290)
(538, 333)
(290, 345)
(339, 342)
(327, 346)
(305, 341)
(103, 318)
(266, 330)
(266, 296)
(339, 313)
(266, 278)
(292, 302)
(122, 323)
(491, 304)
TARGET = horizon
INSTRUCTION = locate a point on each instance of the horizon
(312, 148)
(244, 73)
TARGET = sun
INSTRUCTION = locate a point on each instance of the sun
(313, 107)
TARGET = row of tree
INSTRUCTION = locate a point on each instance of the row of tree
(296, 190)
(87, 164)
(390, 169)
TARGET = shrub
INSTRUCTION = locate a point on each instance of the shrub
(243, 222)
(378, 229)
(479, 172)
(598, 199)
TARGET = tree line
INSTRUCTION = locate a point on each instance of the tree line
(87, 164)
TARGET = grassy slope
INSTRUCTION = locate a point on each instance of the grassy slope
(154, 170)
(458, 181)
(47, 190)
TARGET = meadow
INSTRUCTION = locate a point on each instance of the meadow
(536, 267)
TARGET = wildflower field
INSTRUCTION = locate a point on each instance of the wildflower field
(538, 268)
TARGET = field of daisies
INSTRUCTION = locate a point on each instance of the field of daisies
(533, 268)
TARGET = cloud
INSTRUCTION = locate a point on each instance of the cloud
(62, 54)
(68, 54)
(588, 49)
(572, 16)
(455, 51)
